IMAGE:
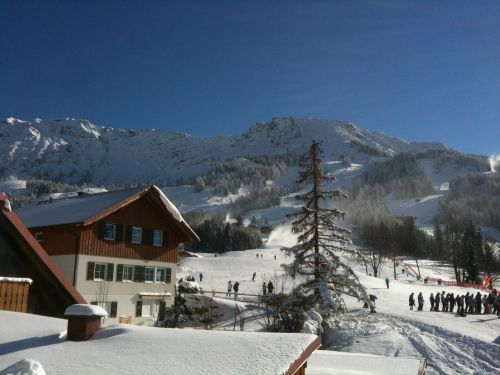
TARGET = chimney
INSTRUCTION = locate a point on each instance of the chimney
(83, 321)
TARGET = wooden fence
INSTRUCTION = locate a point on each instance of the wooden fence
(14, 295)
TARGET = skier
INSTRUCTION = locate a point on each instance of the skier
(229, 288)
(253, 276)
(264, 288)
(431, 299)
(412, 301)
(420, 301)
(201, 277)
(270, 287)
(387, 282)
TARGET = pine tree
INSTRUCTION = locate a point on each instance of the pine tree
(324, 276)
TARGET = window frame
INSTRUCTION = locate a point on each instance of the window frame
(105, 232)
(39, 236)
(146, 274)
(155, 232)
(104, 271)
(162, 280)
(129, 274)
(133, 233)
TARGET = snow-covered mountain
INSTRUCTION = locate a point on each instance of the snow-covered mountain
(77, 151)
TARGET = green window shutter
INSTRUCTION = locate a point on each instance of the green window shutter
(109, 272)
(119, 272)
(119, 233)
(168, 276)
(139, 274)
(100, 229)
(114, 308)
(90, 270)
(147, 236)
(128, 236)
(164, 239)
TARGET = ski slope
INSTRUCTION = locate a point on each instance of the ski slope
(451, 344)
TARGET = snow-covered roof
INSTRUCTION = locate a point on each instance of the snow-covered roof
(16, 279)
(85, 310)
(129, 349)
(73, 209)
(82, 208)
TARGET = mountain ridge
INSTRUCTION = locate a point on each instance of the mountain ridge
(77, 151)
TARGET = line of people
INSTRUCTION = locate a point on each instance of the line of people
(466, 304)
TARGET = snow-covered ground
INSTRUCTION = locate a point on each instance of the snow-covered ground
(451, 344)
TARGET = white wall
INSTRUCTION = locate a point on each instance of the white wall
(125, 293)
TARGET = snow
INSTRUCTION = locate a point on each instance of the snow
(129, 349)
(85, 310)
(169, 206)
(24, 367)
(76, 209)
(324, 362)
(451, 344)
(16, 279)
(75, 150)
(71, 210)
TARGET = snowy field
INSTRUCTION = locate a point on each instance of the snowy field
(451, 344)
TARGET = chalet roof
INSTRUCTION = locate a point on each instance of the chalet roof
(87, 209)
(38, 265)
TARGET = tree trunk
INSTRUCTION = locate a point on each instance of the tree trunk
(394, 263)
(418, 268)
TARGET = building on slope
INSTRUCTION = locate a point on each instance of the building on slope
(25, 262)
(118, 248)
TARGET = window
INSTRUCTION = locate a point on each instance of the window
(39, 236)
(128, 273)
(157, 237)
(100, 271)
(149, 274)
(109, 231)
(160, 275)
(136, 235)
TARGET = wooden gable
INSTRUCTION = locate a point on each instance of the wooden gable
(22, 256)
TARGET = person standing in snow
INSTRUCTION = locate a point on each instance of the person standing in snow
(387, 282)
(201, 277)
(411, 300)
(229, 288)
(431, 300)
(436, 301)
(264, 288)
(478, 300)
(236, 288)
(420, 299)
(253, 276)
(460, 309)
(270, 287)
(452, 302)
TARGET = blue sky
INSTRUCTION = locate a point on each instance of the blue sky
(420, 70)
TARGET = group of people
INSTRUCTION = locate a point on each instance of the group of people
(466, 304)
(231, 287)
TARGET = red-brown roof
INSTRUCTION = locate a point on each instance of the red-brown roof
(24, 237)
